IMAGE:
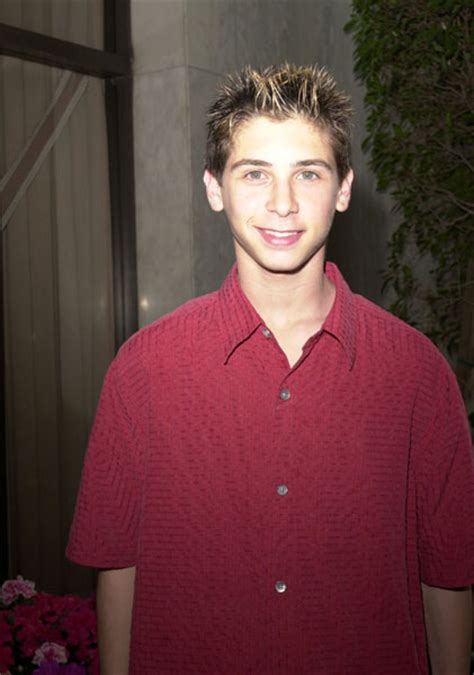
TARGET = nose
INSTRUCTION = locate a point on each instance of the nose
(282, 199)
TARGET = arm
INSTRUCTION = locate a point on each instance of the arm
(115, 588)
(448, 618)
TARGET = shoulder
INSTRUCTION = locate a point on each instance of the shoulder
(159, 350)
(403, 357)
(171, 334)
(413, 368)
(385, 333)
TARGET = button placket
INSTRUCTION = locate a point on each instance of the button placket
(280, 488)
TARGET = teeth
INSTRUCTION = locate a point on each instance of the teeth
(274, 233)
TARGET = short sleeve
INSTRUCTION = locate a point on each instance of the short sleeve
(105, 526)
(444, 474)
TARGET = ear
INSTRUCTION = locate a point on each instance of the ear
(344, 192)
(213, 191)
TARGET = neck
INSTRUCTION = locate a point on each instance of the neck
(285, 301)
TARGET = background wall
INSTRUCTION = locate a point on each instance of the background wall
(182, 50)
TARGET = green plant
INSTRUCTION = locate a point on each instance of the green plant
(415, 59)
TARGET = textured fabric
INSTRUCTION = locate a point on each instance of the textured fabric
(190, 443)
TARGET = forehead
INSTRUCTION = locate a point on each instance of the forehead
(293, 137)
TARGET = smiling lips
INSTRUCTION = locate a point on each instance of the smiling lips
(278, 238)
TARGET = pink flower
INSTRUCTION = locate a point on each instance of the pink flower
(94, 667)
(80, 625)
(6, 658)
(12, 588)
(50, 651)
(5, 629)
(47, 631)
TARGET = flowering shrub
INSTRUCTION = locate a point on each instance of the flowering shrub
(46, 634)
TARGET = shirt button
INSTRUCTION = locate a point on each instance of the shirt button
(266, 332)
(284, 394)
(282, 489)
(280, 587)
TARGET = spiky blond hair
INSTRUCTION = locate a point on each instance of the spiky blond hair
(279, 92)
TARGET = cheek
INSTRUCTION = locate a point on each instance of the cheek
(244, 205)
(320, 203)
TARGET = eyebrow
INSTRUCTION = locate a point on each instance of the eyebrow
(301, 163)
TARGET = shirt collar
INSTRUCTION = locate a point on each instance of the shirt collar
(240, 320)
(341, 320)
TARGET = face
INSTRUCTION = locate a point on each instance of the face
(279, 190)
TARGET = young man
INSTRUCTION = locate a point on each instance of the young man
(279, 478)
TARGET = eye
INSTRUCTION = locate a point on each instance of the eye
(308, 175)
(255, 175)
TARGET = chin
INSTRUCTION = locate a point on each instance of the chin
(283, 267)
(277, 261)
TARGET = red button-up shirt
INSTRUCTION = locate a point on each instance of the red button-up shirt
(280, 519)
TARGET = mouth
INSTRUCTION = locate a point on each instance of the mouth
(279, 238)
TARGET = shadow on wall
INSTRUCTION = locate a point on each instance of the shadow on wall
(355, 244)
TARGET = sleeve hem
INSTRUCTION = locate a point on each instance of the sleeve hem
(102, 562)
(459, 581)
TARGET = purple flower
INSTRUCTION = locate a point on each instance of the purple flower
(54, 668)
(49, 668)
